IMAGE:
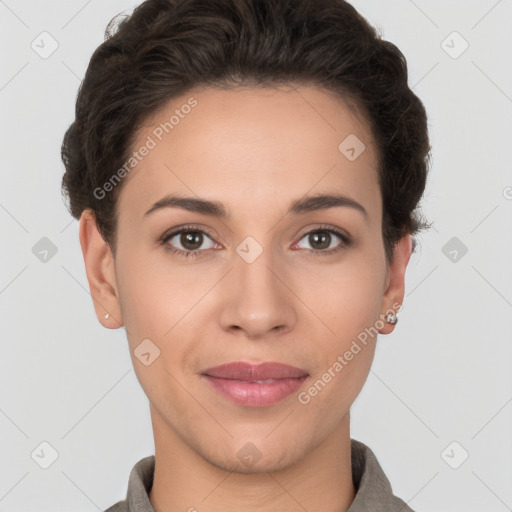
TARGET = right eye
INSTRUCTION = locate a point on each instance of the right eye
(187, 242)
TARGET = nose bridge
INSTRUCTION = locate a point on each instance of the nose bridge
(258, 302)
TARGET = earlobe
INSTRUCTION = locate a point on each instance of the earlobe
(100, 270)
(395, 290)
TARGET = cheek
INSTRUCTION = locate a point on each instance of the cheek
(346, 297)
(155, 294)
(348, 303)
(331, 393)
(157, 304)
(163, 303)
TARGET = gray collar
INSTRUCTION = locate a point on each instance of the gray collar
(373, 490)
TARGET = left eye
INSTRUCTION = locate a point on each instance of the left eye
(323, 239)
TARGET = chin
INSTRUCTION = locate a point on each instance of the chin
(249, 460)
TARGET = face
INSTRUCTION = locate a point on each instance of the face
(279, 277)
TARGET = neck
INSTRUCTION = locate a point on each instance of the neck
(185, 480)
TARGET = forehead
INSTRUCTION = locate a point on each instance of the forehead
(247, 146)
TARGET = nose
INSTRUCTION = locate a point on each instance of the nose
(257, 300)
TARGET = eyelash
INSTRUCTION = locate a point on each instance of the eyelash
(345, 241)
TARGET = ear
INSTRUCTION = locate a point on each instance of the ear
(395, 282)
(100, 270)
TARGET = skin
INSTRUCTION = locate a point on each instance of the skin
(255, 151)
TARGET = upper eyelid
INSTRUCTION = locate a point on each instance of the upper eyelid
(184, 229)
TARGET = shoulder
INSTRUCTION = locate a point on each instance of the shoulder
(120, 506)
(373, 489)
(139, 486)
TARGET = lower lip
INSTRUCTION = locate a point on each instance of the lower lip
(255, 394)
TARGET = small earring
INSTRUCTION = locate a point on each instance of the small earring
(107, 316)
(391, 318)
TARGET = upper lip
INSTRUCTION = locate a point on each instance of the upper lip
(241, 370)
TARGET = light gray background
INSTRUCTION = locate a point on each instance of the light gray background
(444, 375)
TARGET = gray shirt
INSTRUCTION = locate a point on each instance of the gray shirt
(373, 490)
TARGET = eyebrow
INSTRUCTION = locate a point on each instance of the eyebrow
(216, 209)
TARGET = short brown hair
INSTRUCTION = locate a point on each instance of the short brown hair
(167, 47)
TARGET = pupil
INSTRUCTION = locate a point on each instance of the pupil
(191, 240)
(320, 241)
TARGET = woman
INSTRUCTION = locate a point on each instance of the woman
(247, 175)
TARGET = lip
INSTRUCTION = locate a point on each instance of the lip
(241, 370)
(242, 383)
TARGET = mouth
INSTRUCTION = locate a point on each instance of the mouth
(252, 385)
